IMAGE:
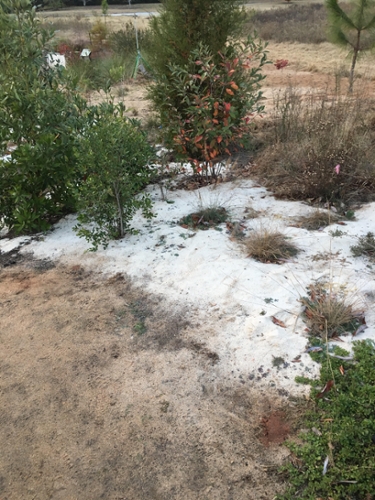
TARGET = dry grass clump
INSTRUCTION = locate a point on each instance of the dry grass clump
(205, 218)
(365, 246)
(269, 246)
(316, 220)
(314, 134)
(328, 314)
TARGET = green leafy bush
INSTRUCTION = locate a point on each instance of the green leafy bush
(101, 73)
(183, 25)
(40, 115)
(342, 434)
(124, 41)
(113, 156)
(204, 107)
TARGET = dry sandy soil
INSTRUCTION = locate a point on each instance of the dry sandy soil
(105, 394)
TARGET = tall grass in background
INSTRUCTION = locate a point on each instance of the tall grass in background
(292, 23)
(78, 25)
(310, 136)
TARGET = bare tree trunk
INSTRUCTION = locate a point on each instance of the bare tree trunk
(119, 209)
(354, 60)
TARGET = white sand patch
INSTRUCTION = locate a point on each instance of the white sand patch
(233, 296)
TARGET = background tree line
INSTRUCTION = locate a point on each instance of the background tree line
(52, 4)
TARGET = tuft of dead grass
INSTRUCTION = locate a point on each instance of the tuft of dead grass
(328, 314)
(269, 246)
(316, 220)
(205, 218)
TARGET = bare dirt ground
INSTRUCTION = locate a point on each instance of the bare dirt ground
(106, 393)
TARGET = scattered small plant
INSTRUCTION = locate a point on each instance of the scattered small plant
(350, 214)
(365, 246)
(116, 73)
(328, 314)
(236, 230)
(104, 6)
(270, 300)
(277, 361)
(121, 91)
(317, 220)
(141, 311)
(337, 233)
(327, 256)
(269, 246)
(164, 174)
(336, 458)
(251, 213)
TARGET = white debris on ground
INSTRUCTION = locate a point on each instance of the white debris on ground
(54, 60)
(234, 297)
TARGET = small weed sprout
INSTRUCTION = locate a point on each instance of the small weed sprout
(365, 246)
(121, 91)
(278, 361)
(236, 230)
(268, 246)
(337, 233)
(251, 213)
(164, 174)
(350, 215)
(329, 314)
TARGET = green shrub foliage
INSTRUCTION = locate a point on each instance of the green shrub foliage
(39, 116)
(124, 41)
(113, 156)
(352, 26)
(336, 458)
(205, 106)
(184, 24)
(206, 81)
